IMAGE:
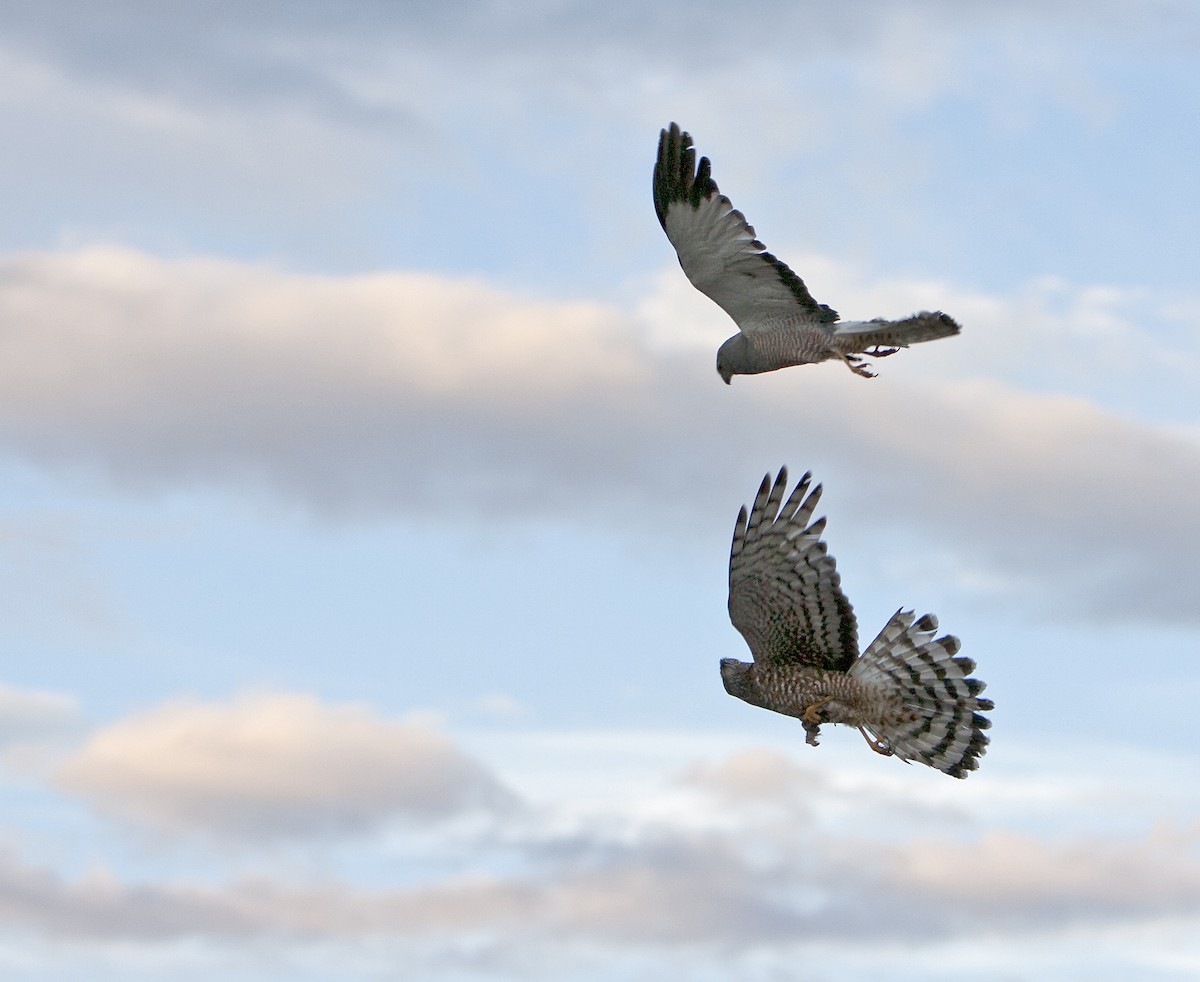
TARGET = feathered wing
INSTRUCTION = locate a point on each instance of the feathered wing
(715, 244)
(938, 722)
(785, 594)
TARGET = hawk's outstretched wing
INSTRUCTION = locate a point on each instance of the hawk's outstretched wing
(716, 246)
(785, 595)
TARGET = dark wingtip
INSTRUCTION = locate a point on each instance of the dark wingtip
(950, 323)
(677, 174)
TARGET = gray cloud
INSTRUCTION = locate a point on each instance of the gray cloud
(202, 129)
(225, 60)
(404, 394)
(263, 50)
(270, 766)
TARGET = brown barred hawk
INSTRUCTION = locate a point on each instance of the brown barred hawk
(908, 693)
(779, 322)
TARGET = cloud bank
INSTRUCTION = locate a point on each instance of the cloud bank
(742, 861)
(405, 395)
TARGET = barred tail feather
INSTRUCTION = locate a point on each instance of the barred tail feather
(939, 722)
(925, 326)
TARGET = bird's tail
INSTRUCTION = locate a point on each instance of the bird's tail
(938, 721)
(925, 326)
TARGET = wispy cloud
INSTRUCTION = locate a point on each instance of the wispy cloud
(32, 715)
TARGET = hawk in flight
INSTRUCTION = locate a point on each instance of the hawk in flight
(909, 694)
(779, 322)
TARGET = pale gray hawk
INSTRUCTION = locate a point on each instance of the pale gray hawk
(909, 693)
(780, 324)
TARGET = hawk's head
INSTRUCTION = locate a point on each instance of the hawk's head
(736, 676)
(729, 357)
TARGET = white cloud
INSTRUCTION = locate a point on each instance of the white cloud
(416, 394)
(266, 766)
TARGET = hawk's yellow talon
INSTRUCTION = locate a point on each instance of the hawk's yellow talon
(877, 745)
(812, 714)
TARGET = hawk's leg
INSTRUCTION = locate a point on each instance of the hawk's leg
(812, 713)
(811, 718)
(880, 352)
(852, 364)
(877, 745)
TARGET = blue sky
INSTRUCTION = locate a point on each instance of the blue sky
(366, 489)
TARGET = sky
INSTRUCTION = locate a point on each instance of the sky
(366, 489)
